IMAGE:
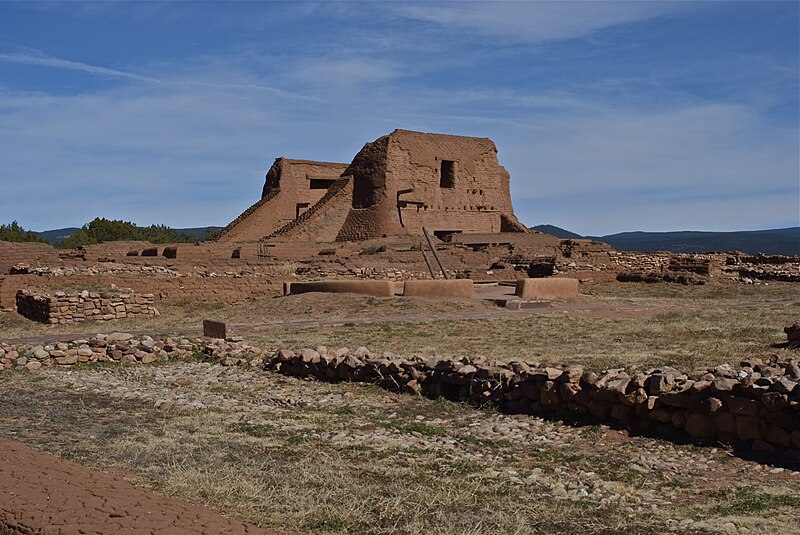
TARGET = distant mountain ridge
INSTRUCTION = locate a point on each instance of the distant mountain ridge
(785, 241)
(58, 235)
(558, 232)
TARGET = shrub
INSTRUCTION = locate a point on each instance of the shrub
(103, 230)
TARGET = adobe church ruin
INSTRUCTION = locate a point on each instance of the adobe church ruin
(395, 186)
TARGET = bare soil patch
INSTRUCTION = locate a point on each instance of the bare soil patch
(45, 494)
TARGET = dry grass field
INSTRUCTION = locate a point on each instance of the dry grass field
(301, 456)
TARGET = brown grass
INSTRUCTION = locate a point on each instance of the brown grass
(276, 469)
(270, 310)
(613, 325)
(700, 336)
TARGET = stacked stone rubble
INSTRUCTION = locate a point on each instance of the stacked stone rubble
(115, 347)
(128, 348)
(74, 306)
(761, 267)
(757, 404)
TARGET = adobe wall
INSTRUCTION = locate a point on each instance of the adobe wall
(288, 183)
(11, 284)
(363, 287)
(322, 221)
(463, 288)
(480, 193)
(397, 187)
(547, 288)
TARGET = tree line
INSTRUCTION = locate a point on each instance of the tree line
(102, 230)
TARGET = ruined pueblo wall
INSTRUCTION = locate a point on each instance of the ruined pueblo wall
(321, 222)
(75, 307)
(10, 285)
(291, 187)
(408, 180)
(34, 254)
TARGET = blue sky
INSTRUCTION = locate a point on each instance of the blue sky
(610, 116)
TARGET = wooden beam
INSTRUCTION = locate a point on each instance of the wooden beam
(435, 253)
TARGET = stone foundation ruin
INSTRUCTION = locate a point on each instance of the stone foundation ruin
(76, 307)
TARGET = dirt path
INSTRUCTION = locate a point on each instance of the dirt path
(42, 494)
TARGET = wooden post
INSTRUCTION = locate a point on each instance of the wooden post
(427, 261)
(435, 254)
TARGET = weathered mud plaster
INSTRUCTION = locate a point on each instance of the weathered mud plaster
(394, 186)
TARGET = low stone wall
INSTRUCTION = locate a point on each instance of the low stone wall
(74, 307)
(756, 405)
(653, 277)
(125, 347)
(363, 287)
(548, 288)
(704, 266)
(439, 288)
(769, 268)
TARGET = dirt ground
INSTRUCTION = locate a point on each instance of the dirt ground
(297, 456)
(45, 494)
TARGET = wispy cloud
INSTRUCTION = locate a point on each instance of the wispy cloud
(344, 72)
(536, 21)
(44, 60)
(37, 58)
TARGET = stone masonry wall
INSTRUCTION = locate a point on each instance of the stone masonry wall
(756, 405)
(74, 307)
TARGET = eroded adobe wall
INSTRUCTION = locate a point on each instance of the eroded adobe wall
(11, 284)
(33, 254)
(479, 193)
(398, 187)
(322, 221)
(369, 217)
(287, 190)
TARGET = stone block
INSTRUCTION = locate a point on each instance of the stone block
(547, 288)
(439, 288)
(373, 288)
